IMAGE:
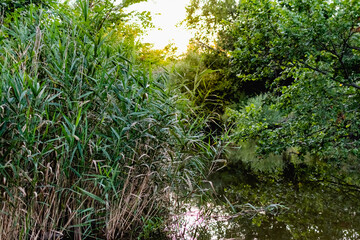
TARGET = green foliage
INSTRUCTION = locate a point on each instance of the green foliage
(255, 116)
(215, 36)
(157, 57)
(211, 18)
(305, 55)
(308, 52)
(9, 6)
(204, 77)
(90, 144)
(152, 226)
(194, 80)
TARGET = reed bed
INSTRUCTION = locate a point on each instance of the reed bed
(90, 144)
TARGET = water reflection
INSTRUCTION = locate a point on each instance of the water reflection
(273, 210)
(201, 222)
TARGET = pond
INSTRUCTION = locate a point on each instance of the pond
(245, 207)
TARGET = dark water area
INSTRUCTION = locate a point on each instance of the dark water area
(247, 207)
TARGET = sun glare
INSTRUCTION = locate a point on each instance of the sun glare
(166, 15)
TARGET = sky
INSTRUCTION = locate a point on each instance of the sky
(166, 14)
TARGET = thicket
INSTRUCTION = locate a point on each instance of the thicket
(305, 56)
(91, 144)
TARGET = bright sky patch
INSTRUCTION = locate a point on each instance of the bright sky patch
(166, 15)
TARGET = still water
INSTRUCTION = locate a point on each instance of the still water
(246, 208)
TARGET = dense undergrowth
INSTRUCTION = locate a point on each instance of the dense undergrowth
(91, 145)
(284, 76)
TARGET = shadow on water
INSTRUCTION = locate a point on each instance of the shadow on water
(249, 208)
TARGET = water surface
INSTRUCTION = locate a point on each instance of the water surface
(246, 208)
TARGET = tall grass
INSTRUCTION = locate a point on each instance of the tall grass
(90, 144)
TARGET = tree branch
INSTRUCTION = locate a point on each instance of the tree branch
(352, 85)
(314, 68)
(354, 47)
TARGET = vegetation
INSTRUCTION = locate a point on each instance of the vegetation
(286, 74)
(91, 144)
(304, 55)
(98, 131)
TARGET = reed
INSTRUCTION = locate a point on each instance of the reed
(90, 144)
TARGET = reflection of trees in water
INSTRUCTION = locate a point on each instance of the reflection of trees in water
(314, 213)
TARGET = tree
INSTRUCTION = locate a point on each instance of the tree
(309, 52)
(211, 18)
(213, 22)
(9, 6)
